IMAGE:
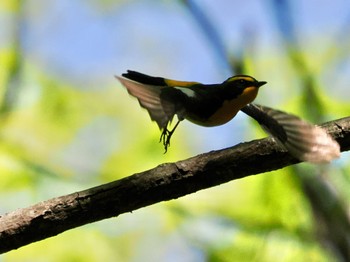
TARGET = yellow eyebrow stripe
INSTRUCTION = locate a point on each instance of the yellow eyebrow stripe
(246, 78)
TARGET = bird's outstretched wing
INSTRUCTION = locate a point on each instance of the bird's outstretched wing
(161, 97)
(305, 141)
(149, 98)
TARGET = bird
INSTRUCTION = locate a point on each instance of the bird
(205, 105)
(211, 105)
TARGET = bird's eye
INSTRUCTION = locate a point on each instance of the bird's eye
(242, 82)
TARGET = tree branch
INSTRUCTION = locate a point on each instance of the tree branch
(165, 182)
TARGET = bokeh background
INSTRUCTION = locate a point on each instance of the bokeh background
(67, 124)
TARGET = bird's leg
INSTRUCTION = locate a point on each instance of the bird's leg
(166, 135)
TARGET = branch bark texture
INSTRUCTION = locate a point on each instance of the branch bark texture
(162, 183)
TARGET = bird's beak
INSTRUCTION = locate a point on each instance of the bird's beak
(261, 83)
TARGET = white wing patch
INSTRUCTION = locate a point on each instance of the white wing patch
(186, 91)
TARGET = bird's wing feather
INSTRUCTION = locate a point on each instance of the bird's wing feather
(303, 140)
(149, 98)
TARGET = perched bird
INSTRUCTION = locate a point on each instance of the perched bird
(216, 104)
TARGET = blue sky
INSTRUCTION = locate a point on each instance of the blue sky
(82, 41)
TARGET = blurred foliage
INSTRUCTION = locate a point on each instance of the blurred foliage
(65, 128)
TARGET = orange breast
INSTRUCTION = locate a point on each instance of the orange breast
(230, 108)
